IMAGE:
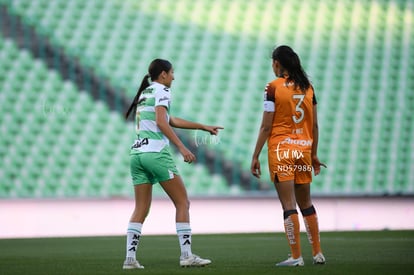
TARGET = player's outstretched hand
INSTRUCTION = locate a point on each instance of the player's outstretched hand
(212, 129)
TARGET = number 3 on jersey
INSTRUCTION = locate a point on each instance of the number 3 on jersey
(298, 108)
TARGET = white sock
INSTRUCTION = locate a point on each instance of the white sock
(184, 237)
(133, 235)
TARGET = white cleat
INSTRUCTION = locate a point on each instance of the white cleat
(193, 260)
(132, 265)
(292, 262)
(319, 259)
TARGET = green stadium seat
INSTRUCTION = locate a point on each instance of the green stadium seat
(222, 66)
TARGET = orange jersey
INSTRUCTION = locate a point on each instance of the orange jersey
(293, 119)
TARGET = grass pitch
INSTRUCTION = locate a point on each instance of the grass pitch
(380, 252)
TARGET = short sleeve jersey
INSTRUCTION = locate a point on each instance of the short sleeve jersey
(149, 137)
(293, 118)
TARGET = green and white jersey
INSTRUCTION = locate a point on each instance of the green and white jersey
(149, 136)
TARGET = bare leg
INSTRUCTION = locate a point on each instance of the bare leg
(143, 197)
(303, 197)
(175, 189)
(286, 193)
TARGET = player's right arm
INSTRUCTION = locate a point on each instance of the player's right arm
(164, 126)
(265, 129)
(264, 132)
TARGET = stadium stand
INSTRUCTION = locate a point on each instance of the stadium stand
(358, 54)
(62, 144)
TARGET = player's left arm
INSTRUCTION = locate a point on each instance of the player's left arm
(315, 160)
(315, 131)
(177, 122)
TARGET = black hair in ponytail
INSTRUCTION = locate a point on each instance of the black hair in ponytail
(156, 67)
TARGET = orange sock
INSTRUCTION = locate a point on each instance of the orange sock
(292, 231)
(312, 229)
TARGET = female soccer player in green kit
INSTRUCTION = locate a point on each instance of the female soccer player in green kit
(151, 160)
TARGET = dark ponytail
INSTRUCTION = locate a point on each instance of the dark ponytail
(156, 67)
(144, 84)
(290, 61)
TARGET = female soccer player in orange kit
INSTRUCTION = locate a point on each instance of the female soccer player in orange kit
(290, 127)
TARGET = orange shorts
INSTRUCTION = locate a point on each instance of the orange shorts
(290, 163)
